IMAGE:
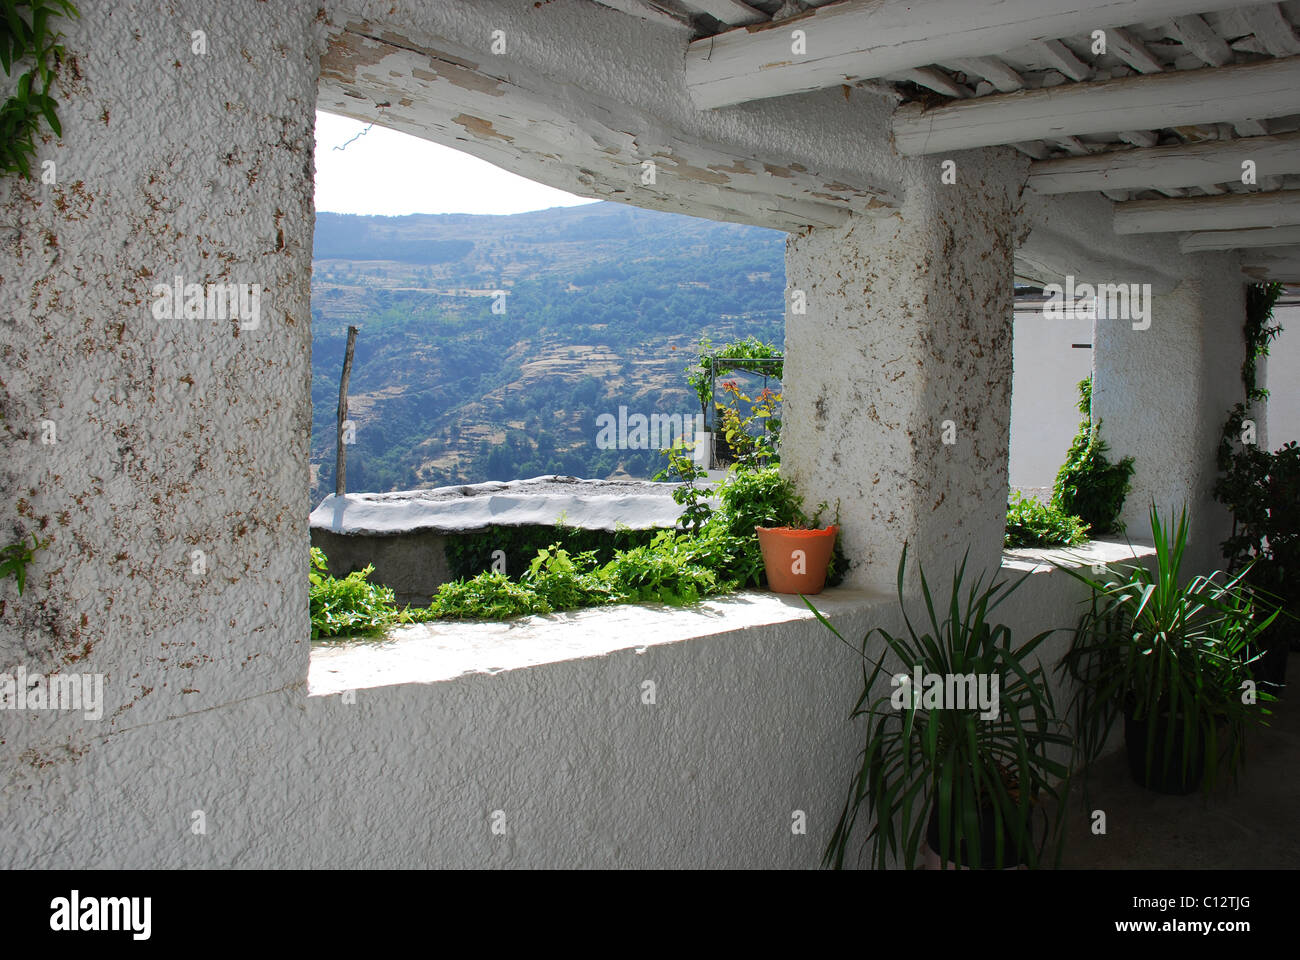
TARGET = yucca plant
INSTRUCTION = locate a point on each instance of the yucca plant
(1169, 652)
(982, 782)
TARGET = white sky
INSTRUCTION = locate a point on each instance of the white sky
(390, 173)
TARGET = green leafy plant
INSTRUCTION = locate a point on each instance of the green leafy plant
(351, 606)
(27, 35)
(472, 553)
(979, 779)
(669, 570)
(1032, 523)
(1088, 485)
(15, 557)
(702, 373)
(1261, 488)
(753, 437)
(687, 473)
(1170, 650)
(488, 596)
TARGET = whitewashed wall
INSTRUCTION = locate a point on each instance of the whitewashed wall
(185, 435)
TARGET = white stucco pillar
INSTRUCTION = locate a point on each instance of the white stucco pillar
(898, 372)
(1163, 393)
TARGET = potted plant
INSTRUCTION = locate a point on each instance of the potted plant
(1168, 653)
(975, 781)
(796, 558)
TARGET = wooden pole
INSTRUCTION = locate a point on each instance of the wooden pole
(341, 470)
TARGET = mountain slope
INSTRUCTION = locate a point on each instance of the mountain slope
(603, 306)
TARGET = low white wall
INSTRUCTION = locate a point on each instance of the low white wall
(749, 725)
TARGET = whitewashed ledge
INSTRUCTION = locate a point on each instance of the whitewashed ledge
(440, 651)
(1045, 559)
(541, 501)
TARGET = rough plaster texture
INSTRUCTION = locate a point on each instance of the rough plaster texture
(172, 435)
(906, 344)
(184, 435)
(1163, 394)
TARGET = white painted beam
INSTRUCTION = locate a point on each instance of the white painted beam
(1231, 212)
(868, 39)
(1132, 51)
(1272, 29)
(993, 70)
(1243, 91)
(935, 80)
(1239, 239)
(1174, 166)
(575, 140)
(731, 12)
(1059, 57)
(1200, 38)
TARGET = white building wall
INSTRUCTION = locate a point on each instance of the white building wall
(1044, 395)
(1283, 379)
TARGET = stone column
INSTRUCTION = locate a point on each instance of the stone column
(1163, 392)
(898, 371)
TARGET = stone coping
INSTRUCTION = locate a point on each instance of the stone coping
(540, 501)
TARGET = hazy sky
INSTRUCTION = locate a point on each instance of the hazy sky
(391, 173)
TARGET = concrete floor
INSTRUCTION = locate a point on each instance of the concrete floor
(1255, 823)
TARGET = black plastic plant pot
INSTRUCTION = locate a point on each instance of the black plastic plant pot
(1012, 856)
(1170, 778)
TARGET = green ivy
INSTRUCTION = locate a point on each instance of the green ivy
(1089, 486)
(14, 560)
(26, 36)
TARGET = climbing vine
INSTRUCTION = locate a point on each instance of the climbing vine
(27, 37)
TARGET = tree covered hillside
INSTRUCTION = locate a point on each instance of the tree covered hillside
(604, 305)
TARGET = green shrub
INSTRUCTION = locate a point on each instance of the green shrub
(670, 570)
(488, 596)
(749, 499)
(471, 554)
(351, 606)
(1088, 485)
(1032, 523)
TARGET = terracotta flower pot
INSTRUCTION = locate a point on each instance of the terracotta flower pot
(796, 560)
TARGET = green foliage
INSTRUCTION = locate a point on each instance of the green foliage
(488, 596)
(749, 499)
(1088, 485)
(14, 560)
(351, 606)
(27, 35)
(669, 570)
(687, 473)
(975, 774)
(666, 570)
(1170, 648)
(1031, 523)
(471, 554)
(751, 438)
(1262, 489)
(712, 362)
